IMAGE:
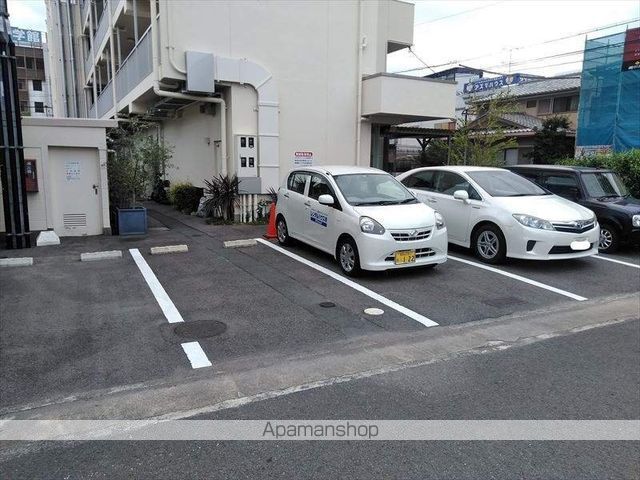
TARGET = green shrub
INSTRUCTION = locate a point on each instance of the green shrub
(185, 197)
(626, 164)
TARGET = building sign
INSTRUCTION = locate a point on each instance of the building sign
(303, 159)
(72, 170)
(491, 83)
(631, 55)
(21, 36)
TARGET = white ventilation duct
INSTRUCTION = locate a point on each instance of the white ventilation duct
(243, 71)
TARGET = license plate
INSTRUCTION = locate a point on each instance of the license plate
(405, 256)
(580, 245)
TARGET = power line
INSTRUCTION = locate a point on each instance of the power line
(422, 61)
(463, 12)
(454, 62)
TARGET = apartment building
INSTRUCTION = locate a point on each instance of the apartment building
(245, 87)
(31, 66)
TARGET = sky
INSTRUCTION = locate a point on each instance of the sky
(506, 36)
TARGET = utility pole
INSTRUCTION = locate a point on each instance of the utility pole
(16, 215)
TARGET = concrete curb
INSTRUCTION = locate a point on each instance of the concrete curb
(169, 249)
(16, 262)
(250, 242)
(106, 255)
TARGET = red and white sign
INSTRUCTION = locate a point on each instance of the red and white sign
(303, 159)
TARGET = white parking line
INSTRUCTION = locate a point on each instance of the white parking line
(519, 278)
(617, 261)
(356, 286)
(196, 355)
(194, 351)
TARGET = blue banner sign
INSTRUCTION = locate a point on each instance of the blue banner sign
(491, 83)
(22, 36)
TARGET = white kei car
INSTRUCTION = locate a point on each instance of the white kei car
(501, 214)
(364, 217)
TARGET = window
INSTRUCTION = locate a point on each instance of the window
(502, 183)
(544, 106)
(38, 107)
(297, 182)
(24, 108)
(37, 85)
(20, 84)
(532, 103)
(20, 62)
(373, 189)
(563, 185)
(39, 64)
(29, 62)
(565, 104)
(421, 180)
(604, 184)
(449, 182)
(319, 186)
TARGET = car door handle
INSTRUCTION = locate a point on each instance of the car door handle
(307, 204)
(286, 195)
(432, 200)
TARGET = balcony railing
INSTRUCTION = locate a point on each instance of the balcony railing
(84, 10)
(114, 6)
(92, 111)
(105, 100)
(88, 63)
(136, 67)
(103, 27)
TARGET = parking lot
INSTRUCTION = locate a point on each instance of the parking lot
(73, 328)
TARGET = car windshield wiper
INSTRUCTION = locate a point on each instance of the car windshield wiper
(408, 200)
(613, 195)
(379, 202)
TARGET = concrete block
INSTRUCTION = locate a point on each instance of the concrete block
(169, 249)
(16, 262)
(93, 256)
(46, 238)
(249, 242)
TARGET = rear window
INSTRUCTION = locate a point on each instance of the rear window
(297, 182)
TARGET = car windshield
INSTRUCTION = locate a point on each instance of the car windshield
(502, 183)
(373, 189)
(604, 184)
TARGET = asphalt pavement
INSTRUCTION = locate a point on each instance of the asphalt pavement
(587, 375)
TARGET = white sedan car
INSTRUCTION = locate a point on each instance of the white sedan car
(364, 217)
(501, 214)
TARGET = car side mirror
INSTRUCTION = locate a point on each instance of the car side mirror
(326, 199)
(461, 195)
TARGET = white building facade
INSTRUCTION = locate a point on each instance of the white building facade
(251, 88)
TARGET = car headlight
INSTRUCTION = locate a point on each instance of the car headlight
(533, 222)
(439, 221)
(369, 225)
(636, 220)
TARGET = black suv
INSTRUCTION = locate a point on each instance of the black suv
(598, 189)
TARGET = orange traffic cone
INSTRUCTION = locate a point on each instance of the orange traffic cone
(271, 226)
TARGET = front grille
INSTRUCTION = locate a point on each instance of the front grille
(573, 227)
(412, 235)
(563, 249)
(420, 253)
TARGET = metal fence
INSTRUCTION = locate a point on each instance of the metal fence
(105, 100)
(136, 67)
(103, 27)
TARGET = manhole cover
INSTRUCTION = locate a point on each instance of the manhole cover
(327, 304)
(200, 329)
(373, 311)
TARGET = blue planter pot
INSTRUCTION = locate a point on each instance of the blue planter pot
(132, 221)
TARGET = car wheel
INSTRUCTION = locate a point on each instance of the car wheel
(348, 257)
(489, 244)
(609, 239)
(282, 232)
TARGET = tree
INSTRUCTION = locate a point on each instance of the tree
(482, 141)
(551, 142)
(137, 162)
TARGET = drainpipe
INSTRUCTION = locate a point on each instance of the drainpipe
(361, 44)
(72, 51)
(164, 93)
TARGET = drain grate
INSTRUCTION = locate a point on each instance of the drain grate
(200, 329)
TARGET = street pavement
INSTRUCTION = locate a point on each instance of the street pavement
(588, 375)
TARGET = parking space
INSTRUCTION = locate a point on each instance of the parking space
(104, 325)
